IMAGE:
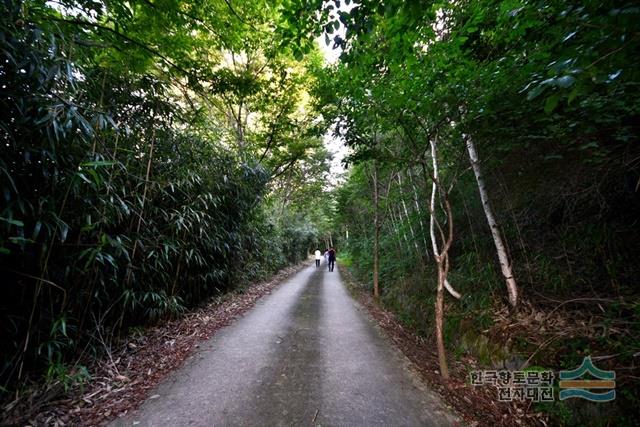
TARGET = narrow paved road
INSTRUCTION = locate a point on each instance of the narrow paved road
(305, 355)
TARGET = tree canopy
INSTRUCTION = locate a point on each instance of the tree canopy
(156, 153)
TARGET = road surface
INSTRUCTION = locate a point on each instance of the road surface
(307, 354)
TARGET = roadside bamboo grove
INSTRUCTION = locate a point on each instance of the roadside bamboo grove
(122, 203)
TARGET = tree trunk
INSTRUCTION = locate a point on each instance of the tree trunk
(505, 266)
(376, 239)
(406, 215)
(441, 257)
(415, 201)
(432, 221)
(398, 218)
(396, 231)
(442, 355)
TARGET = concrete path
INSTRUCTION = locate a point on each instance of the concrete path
(305, 355)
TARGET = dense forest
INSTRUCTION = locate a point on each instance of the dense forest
(495, 151)
(155, 154)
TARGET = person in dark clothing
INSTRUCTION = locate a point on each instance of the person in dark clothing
(332, 258)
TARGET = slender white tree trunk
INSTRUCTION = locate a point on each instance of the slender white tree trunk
(432, 219)
(376, 240)
(396, 230)
(505, 266)
(415, 201)
(406, 215)
(398, 216)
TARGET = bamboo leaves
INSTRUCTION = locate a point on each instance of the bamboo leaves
(120, 185)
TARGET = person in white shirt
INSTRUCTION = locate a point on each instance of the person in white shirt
(317, 257)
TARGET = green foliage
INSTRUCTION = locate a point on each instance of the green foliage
(130, 191)
(345, 259)
(68, 377)
(547, 91)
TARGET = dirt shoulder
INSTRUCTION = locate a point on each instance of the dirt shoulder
(123, 378)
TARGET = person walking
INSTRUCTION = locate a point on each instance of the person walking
(318, 256)
(332, 258)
